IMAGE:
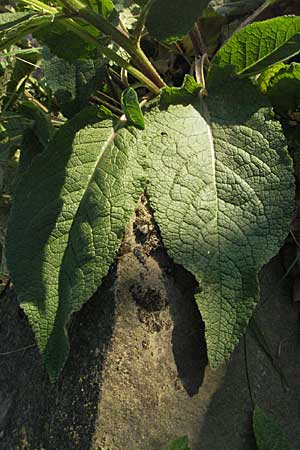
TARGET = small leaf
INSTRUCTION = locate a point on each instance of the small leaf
(66, 224)
(132, 109)
(282, 86)
(268, 432)
(170, 20)
(260, 45)
(265, 77)
(183, 95)
(181, 443)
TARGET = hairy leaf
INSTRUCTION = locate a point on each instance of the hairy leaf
(169, 20)
(268, 432)
(260, 45)
(67, 223)
(221, 187)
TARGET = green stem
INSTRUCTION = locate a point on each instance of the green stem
(100, 100)
(256, 13)
(18, 31)
(140, 24)
(74, 26)
(40, 6)
(140, 59)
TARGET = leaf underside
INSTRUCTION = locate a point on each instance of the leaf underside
(222, 191)
(66, 225)
(220, 184)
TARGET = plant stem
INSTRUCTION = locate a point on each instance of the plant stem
(100, 101)
(79, 9)
(74, 26)
(140, 24)
(197, 40)
(40, 6)
(20, 30)
(256, 13)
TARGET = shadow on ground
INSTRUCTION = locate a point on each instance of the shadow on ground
(137, 376)
(35, 414)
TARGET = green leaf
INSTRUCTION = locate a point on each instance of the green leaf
(66, 44)
(102, 7)
(169, 20)
(132, 109)
(7, 20)
(265, 77)
(222, 190)
(17, 25)
(268, 432)
(260, 45)
(183, 95)
(71, 83)
(282, 85)
(67, 223)
(181, 443)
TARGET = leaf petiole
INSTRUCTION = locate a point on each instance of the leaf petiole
(79, 10)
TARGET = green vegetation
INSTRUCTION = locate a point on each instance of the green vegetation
(99, 121)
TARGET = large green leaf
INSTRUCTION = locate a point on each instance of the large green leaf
(170, 20)
(268, 432)
(221, 187)
(67, 223)
(259, 45)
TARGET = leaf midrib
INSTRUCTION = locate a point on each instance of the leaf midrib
(258, 61)
(208, 122)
